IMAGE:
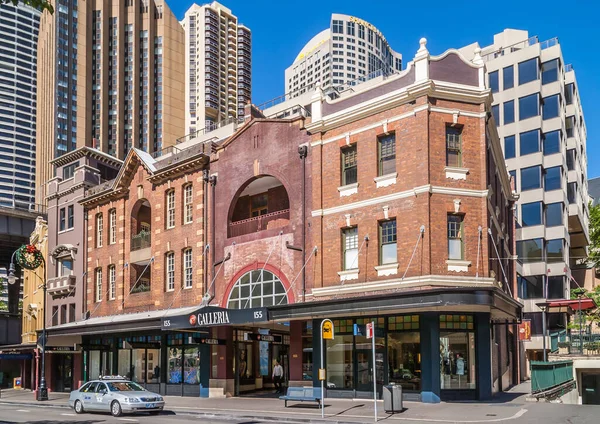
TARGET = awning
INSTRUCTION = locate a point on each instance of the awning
(571, 305)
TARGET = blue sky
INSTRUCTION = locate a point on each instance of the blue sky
(281, 28)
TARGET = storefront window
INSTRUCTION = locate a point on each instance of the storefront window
(457, 352)
(307, 352)
(94, 364)
(246, 363)
(404, 359)
(139, 371)
(191, 365)
(153, 365)
(174, 366)
(107, 363)
(124, 363)
(340, 369)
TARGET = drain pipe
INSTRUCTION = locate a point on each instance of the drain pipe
(303, 152)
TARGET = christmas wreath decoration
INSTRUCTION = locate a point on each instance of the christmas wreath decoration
(29, 257)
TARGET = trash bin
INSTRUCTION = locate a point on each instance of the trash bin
(392, 398)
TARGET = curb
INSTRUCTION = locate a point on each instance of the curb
(208, 415)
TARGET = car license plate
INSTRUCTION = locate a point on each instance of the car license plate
(150, 405)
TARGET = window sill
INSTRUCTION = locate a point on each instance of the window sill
(458, 265)
(387, 269)
(386, 180)
(456, 173)
(348, 189)
(351, 274)
(66, 231)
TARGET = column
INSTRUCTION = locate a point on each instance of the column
(430, 357)
(483, 354)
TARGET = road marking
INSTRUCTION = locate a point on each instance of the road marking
(22, 410)
(128, 419)
(68, 415)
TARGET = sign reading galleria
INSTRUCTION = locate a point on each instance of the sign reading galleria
(210, 316)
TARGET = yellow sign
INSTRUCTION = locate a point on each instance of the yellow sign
(327, 330)
(321, 374)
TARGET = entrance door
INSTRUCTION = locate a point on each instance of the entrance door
(364, 375)
(62, 372)
(590, 389)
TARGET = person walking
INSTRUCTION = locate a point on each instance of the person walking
(277, 377)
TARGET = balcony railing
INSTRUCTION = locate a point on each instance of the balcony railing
(140, 241)
(546, 376)
(576, 343)
(259, 223)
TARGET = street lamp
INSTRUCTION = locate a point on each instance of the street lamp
(543, 306)
(29, 257)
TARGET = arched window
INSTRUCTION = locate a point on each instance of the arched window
(256, 289)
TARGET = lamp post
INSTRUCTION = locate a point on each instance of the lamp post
(543, 306)
(29, 257)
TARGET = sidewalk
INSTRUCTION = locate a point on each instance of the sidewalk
(336, 410)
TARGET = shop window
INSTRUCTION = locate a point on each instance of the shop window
(343, 326)
(457, 352)
(340, 364)
(257, 289)
(139, 370)
(404, 359)
(387, 154)
(245, 367)
(124, 360)
(307, 351)
(405, 322)
(94, 359)
(174, 365)
(191, 365)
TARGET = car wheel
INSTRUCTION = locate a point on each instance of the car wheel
(115, 409)
(78, 407)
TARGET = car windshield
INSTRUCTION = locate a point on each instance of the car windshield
(125, 386)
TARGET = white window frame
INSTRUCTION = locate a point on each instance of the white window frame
(112, 282)
(99, 230)
(171, 209)
(170, 271)
(188, 281)
(188, 206)
(112, 223)
(257, 282)
(99, 285)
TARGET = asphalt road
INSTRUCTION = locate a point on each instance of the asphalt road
(45, 415)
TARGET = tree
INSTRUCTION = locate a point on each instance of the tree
(36, 4)
(594, 249)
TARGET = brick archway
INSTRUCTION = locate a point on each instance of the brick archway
(255, 267)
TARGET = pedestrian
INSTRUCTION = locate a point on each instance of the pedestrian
(277, 377)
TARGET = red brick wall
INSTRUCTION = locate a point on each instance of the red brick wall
(163, 240)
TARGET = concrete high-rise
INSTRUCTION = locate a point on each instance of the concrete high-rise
(351, 50)
(18, 73)
(113, 80)
(538, 113)
(218, 74)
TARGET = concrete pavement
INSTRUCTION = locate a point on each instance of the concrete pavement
(506, 407)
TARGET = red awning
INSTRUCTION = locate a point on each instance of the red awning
(573, 304)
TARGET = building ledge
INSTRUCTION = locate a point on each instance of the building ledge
(59, 286)
(458, 265)
(456, 173)
(348, 190)
(387, 269)
(351, 274)
(386, 180)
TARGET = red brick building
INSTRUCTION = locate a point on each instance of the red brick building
(389, 202)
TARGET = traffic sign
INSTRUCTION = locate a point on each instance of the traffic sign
(369, 330)
(328, 331)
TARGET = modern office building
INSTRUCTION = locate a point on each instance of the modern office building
(114, 79)
(538, 113)
(218, 72)
(18, 103)
(349, 51)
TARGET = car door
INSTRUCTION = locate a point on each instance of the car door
(102, 397)
(88, 397)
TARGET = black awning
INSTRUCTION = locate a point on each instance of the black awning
(211, 316)
(499, 304)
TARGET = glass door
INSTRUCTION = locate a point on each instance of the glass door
(364, 375)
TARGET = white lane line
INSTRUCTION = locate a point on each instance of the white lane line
(128, 419)
(22, 410)
(68, 415)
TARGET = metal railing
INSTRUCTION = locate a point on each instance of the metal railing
(294, 110)
(568, 67)
(166, 151)
(576, 343)
(140, 241)
(531, 41)
(209, 128)
(547, 375)
(256, 224)
(25, 207)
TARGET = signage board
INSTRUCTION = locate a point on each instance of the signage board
(525, 330)
(369, 330)
(262, 337)
(211, 316)
(328, 331)
(321, 374)
(60, 349)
